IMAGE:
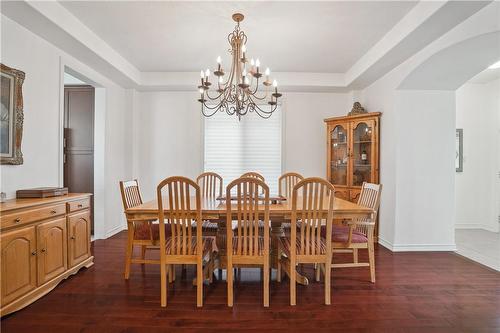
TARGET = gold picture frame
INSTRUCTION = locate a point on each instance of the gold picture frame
(12, 116)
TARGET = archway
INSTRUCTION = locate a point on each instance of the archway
(426, 104)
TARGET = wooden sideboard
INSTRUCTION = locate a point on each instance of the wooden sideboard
(43, 241)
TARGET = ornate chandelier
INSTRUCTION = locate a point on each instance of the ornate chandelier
(237, 92)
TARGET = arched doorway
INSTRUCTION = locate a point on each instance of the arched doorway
(427, 101)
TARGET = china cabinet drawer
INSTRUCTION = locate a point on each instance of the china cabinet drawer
(28, 216)
(77, 205)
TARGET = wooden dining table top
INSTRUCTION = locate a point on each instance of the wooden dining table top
(212, 206)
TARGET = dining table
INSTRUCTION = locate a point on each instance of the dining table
(280, 210)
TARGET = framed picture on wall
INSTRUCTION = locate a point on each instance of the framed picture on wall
(11, 118)
(459, 143)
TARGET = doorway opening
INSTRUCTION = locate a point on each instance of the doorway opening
(78, 138)
(72, 78)
(477, 182)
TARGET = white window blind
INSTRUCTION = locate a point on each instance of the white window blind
(234, 147)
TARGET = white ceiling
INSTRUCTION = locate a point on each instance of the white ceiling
(327, 37)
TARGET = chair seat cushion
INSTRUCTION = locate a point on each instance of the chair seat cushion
(286, 246)
(244, 241)
(261, 225)
(208, 227)
(288, 225)
(147, 229)
(175, 245)
(340, 234)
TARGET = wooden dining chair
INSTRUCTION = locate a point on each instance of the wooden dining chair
(311, 198)
(253, 174)
(179, 205)
(286, 183)
(359, 233)
(211, 187)
(247, 244)
(143, 233)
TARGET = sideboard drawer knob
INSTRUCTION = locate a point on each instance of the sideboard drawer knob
(17, 220)
(43, 250)
(80, 205)
(53, 212)
(33, 253)
(72, 237)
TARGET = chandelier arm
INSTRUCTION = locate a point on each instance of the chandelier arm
(265, 114)
(204, 106)
(216, 106)
(261, 98)
(273, 108)
(212, 98)
(256, 85)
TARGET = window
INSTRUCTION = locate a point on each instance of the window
(234, 147)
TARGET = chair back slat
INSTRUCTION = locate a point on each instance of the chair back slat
(249, 194)
(210, 184)
(311, 197)
(131, 195)
(369, 197)
(180, 192)
(286, 183)
(253, 174)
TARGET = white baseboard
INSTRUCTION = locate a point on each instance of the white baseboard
(115, 230)
(480, 258)
(386, 244)
(475, 226)
(423, 247)
(416, 247)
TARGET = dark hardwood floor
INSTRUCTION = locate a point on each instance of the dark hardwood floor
(414, 292)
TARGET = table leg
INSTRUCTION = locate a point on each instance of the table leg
(219, 261)
(276, 233)
(301, 279)
(221, 244)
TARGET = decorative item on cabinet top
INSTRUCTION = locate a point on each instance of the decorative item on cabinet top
(357, 109)
(41, 192)
(46, 240)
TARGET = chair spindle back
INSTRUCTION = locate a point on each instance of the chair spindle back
(311, 197)
(210, 184)
(175, 195)
(369, 197)
(131, 195)
(287, 182)
(253, 174)
(249, 194)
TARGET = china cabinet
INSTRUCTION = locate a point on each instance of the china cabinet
(352, 153)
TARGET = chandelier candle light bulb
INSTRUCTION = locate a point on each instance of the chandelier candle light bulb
(239, 93)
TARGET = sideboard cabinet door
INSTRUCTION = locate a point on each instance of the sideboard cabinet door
(78, 237)
(18, 262)
(52, 249)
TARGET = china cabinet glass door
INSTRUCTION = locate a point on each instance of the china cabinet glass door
(363, 153)
(339, 155)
